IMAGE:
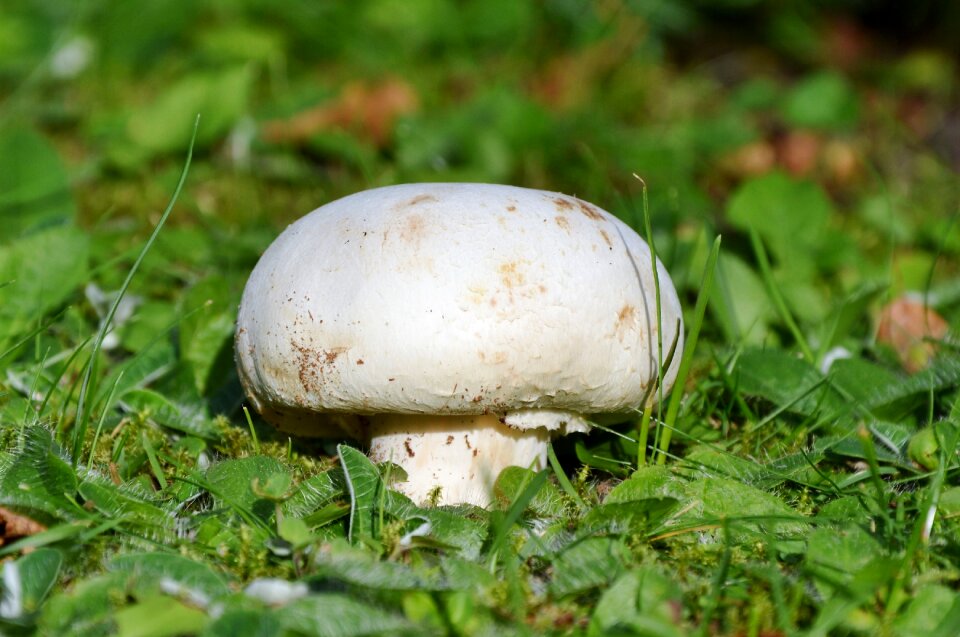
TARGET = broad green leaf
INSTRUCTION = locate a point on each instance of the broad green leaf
(626, 518)
(589, 563)
(739, 301)
(361, 567)
(786, 381)
(749, 510)
(790, 216)
(336, 615)
(40, 479)
(926, 612)
(206, 332)
(34, 187)
(244, 622)
(38, 273)
(124, 501)
(36, 573)
(824, 100)
(364, 487)
(313, 493)
(706, 462)
(648, 482)
(835, 555)
(148, 569)
(643, 601)
(85, 609)
(159, 616)
(548, 501)
(166, 125)
(236, 482)
(163, 411)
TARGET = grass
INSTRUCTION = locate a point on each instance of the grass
(769, 494)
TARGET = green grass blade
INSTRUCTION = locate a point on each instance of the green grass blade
(686, 361)
(766, 273)
(87, 386)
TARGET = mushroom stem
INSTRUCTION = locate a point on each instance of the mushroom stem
(463, 455)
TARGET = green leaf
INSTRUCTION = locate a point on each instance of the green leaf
(786, 381)
(313, 493)
(33, 286)
(739, 302)
(590, 563)
(124, 501)
(163, 411)
(750, 511)
(927, 610)
(244, 622)
(148, 569)
(144, 618)
(790, 216)
(206, 332)
(40, 479)
(86, 609)
(824, 100)
(626, 518)
(234, 482)
(166, 125)
(334, 615)
(835, 555)
(361, 567)
(36, 572)
(548, 501)
(364, 486)
(643, 601)
(34, 187)
(648, 482)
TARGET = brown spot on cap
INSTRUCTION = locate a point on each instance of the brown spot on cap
(606, 238)
(562, 222)
(449, 440)
(406, 445)
(562, 204)
(510, 274)
(589, 210)
(359, 361)
(424, 198)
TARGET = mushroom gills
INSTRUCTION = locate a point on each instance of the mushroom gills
(462, 455)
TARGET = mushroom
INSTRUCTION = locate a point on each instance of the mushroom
(454, 328)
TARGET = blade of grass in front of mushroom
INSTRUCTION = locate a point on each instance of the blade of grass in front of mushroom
(686, 360)
(647, 410)
(562, 478)
(502, 523)
(89, 382)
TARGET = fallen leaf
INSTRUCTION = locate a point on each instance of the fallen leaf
(750, 160)
(14, 526)
(369, 111)
(911, 328)
(798, 152)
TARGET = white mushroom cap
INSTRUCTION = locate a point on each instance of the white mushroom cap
(454, 299)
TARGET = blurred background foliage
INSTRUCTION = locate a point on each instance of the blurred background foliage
(832, 129)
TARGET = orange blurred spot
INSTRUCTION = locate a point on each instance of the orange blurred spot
(911, 329)
(369, 111)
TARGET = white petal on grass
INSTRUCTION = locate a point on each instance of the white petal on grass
(11, 603)
(831, 357)
(174, 588)
(407, 540)
(72, 58)
(275, 592)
